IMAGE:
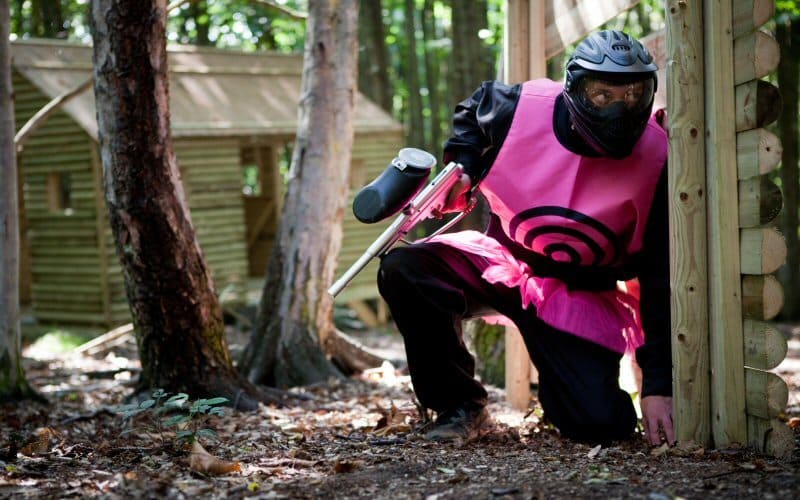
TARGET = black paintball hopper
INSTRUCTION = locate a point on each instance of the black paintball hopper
(405, 176)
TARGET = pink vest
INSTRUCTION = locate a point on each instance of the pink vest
(589, 211)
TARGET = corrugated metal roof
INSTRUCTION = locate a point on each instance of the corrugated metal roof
(213, 92)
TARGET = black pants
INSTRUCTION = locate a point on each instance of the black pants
(430, 287)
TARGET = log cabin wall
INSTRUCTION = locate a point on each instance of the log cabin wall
(72, 271)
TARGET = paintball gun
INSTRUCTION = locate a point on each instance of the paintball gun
(402, 180)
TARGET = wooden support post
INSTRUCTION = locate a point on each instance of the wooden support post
(765, 347)
(687, 206)
(767, 393)
(758, 103)
(750, 14)
(754, 55)
(762, 250)
(760, 201)
(729, 425)
(762, 297)
(758, 152)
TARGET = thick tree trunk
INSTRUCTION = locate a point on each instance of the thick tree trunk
(788, 35)
(12, 379)
(373, 59)
(296, 312)
(176, 314)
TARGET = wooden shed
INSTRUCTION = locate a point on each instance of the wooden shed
(234, 117)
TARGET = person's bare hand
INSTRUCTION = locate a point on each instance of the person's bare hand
(457, 197)
(657, 419)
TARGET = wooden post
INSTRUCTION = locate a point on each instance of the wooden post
(724, 308)
(521, 37)
(687, 206)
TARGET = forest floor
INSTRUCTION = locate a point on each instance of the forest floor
(353, 438)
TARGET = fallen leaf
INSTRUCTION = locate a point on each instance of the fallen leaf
(41, 443)
(794, 422)
(660, 450)
(343, 466)
(202, 461)
(594, 451)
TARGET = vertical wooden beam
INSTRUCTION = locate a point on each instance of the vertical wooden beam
(518, 58)
(728, 421)
(515, 42)
(687, 206)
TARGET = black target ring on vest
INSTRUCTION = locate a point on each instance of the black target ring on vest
(573, 215)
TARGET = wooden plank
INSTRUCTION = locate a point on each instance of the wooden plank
(772, 436)
(687, 206)
(762, 250)
(567, 21)
(760, 201)
(725, 310)
(750, 14)
(764, 346)
(755, 55)
(758, 152)
(762, 297)
(767, 393)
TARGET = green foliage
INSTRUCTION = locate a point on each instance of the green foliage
(163, 412)
(59, 341)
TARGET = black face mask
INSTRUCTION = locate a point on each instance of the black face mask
(617, 130)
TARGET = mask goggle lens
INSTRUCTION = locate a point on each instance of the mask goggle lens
(602, 94)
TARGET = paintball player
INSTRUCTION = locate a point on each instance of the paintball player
(575, 178)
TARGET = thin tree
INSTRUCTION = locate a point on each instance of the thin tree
(295, 317)
(788, 34)
(373, 55)
(12, 378)
(176, 313)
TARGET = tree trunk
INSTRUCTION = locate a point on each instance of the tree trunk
(12, 379)
(471, 64)
(788, 35)
(471, 59)
(432, 75)
(176, 314)
(296, 313)
(415, 123)
(373, 60)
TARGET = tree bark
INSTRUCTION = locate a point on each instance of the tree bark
(788, 35)
(415, 122)
(176, 313)
(434, 140)
(12, 378)
(373, 60)
(295, 317)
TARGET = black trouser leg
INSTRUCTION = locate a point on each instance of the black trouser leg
(430, 287)
(579, 385)
(424, 286)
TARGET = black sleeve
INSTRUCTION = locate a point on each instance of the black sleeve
(480, 125)
(655, 357)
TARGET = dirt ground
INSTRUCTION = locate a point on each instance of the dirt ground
(343, 439)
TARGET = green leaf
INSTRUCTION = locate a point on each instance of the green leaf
(176, 420)
(220, 412)
(209, 433)
(147, 403)
(216, 401)
(179, 399)
(158, 394)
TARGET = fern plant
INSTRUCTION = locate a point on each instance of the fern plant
(163, 412)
